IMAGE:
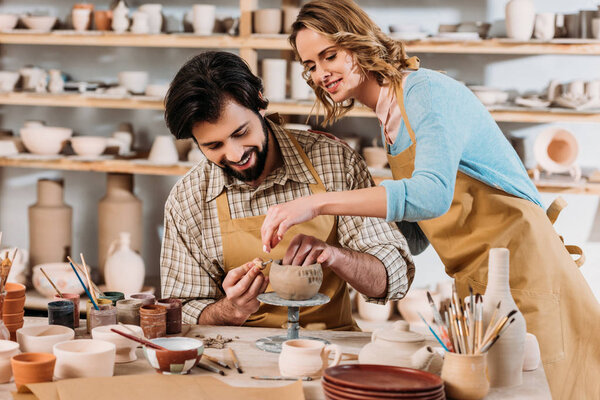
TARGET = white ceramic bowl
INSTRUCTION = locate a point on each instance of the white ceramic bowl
(8, 21)
(8, 80)
(184, 353)
(8, 148)
(125, 347)
(45, 140)
(39, 23)
(84, 358)
(157, 90)
(134, 81)
(89, 145)
(41, 338)
(7, 350)
(489, 96)
(63, 276)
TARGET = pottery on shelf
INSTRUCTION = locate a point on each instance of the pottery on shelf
(8, 21)
(300, 90)
(304, 357)
(375, 157)
(203, 19)
(532, 353)
(120, 18)
(84, 358)
(32, 368)
(464, 376)
(124, 270)
(289, 17)
(274, 74)
(125, 347)
(8, 349)
(163, 151)
(489, 96)
(118, 211)
(81, 18)
(45, 140)
(33, 79)
(8, 80)
(556, 151)
(50, 221)
(416, 302)
(103, 20)
(520, 19)
(505, 358)
(155, 17)
(267, 20)
(89, 146)
(140, 23)
(134, 81)
(56, 83)
(294, 282)
(39, 23)
(544, 26)
(19, 265)
(42, 338)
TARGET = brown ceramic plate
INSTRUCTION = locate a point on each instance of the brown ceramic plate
(334, 396)
(359, 394)
(382, 378)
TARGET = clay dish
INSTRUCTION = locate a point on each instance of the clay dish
(41, 338)
(39, 23)
(45, 140)
(182, 355)
(84, 358)
(8, 21)
(293, 282)
(125, 347)
(90, 146)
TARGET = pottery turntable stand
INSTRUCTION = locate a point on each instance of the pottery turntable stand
(273, 343)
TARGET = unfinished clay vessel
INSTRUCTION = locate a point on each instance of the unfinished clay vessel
(464, 376)
(294, 282)
(303, 357)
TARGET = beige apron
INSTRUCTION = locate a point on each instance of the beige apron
(242, 243)
(558, 305)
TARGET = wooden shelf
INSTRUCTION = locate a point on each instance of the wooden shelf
(77, 100)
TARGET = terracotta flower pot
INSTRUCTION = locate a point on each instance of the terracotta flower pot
(13, 306)
(292, 282)
(14, 290)
(12, 319)
(32, 368)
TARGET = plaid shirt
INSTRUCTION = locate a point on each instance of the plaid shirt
(191, 262)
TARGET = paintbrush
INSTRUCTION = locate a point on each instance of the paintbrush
(5, 267)
(495, 330)
(85, 287)
(145, 342)
(433, 332)
(210, 368)
(490, 344)
(87, 275)
(479, 320)
(236, 363)
(216, 361)
(490, 324)
(438, 320)
(51, 283)
(452, 334)
(99, 293)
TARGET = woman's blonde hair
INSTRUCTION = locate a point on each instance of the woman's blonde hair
(350, 28)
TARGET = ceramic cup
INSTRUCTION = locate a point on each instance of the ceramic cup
(84, 358)
(41, 338)
(106, 315)
(532, 353)
(8, 80)
(267, 20)
(81, 18)
(125, 140)
(125, 347)
(7, 350)
(274, 78)
(572, 25)
(128, 311)
(32, 368)
(544, 26)
(61, 313)
(163, 151)
(153, 320)
(596, 28)
(592, 89)
(464, 376)
(203, 19)
(299, 88)
(146, 298)
(155, 18)
(555, 90)
(303, 357)
(174, 314)
(89, 306)
(134, 81)
(114, 296)
(289, 17)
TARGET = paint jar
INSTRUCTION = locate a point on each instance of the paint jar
(61, 313)
(88, 308)
(106, 315)
(128, 311)
(146, 298)
(153, 320)
(114, 296)
(74, 298)
(173, 307)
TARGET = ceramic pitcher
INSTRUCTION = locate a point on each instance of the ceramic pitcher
(303, 357)
(124, 269)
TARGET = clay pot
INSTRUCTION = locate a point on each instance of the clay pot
(124, 269)
(203, 19)
(12, 319)
(173, 307)
(14, 290)
(532, 353)
(13, 306)
(7, 350)
(163, 151)
(128, 311)
(155, 17)
(293, 282)
(303, 357)
(464, 376)
(274, 75)
(84, 358)
(376, 157)
(267, 20)
(520, 19)
(103, 20)
(125, 348)
(544, 26)
(41, 338)
(74, 298)
(374, 312)
(153, 320)
(299, 89)
(63, 276)
(50, 221)
(118, 211)
(182, 355)
(32, 368)
(289, 17)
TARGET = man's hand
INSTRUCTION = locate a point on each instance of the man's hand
(242, 285)
(307, 250)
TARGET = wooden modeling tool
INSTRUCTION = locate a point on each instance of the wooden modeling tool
(264, 264)
(51, 283)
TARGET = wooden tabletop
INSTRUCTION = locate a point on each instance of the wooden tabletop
(255, 362)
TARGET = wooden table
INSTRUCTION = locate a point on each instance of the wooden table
(255, 362)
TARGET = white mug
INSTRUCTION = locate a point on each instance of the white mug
(81, 18)
(544, 26)
(273, 75)
(125, 140)
(304, 357)
(203, 19)
(299, 87)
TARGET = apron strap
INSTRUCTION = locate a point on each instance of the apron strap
(576, 251)
(400, 99)
(553, 212)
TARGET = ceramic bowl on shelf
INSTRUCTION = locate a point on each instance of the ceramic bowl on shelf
(41, 23)
(8, 21)
(84, 358)
(134, 81)
(182, 355)
(41, 338)
(489, 96)
(45, 140)
(63, 276)
(8, 80)
(157, 90)
(89, 145)
(267, 20)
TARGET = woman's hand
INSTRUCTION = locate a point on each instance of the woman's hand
(282, 217)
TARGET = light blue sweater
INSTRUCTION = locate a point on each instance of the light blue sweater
(453, 131)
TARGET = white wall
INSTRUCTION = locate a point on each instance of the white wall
(579, 223)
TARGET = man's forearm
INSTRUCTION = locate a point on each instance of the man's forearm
(221, 312)
(362, 271)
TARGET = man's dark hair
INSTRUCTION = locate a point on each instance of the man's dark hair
(203, 84)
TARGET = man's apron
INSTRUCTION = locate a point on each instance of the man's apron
(558, 305)
(242, 243)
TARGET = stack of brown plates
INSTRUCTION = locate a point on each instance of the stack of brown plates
(380, 382)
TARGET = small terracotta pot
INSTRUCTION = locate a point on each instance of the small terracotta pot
(103, 20)
(12, 319)
(14, 290)
(153, 320)
(13, 306)
(465, 376)
(32, 368)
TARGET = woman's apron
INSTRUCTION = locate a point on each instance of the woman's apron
(558, 305)
(242, 243)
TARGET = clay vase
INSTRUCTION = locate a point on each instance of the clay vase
(303, 357)
(103, 20)
(124, 269)
(464, 376)
(7, 350)
(118, 211)
(50, 222)
(520, 19)
(292, 282)
(32, 368)
(532, 353)
(505, 357)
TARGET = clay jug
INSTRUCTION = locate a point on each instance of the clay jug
(505, 357)
(50, 221)
(118, 211)
(520, 19)
(124, 269)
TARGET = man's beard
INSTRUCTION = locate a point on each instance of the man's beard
(253, 173)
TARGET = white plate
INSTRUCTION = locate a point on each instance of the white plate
(456, 36)
(408, 35)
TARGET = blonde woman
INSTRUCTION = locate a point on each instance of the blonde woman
(455, 174)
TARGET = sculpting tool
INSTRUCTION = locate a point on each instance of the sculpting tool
(236, 363)
(210, 368)
(265, 264)
(216, 361)
(85, 287)
(433, 332)
(281, 378)
(51, 283)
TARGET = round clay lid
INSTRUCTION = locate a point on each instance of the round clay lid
(399, 333)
